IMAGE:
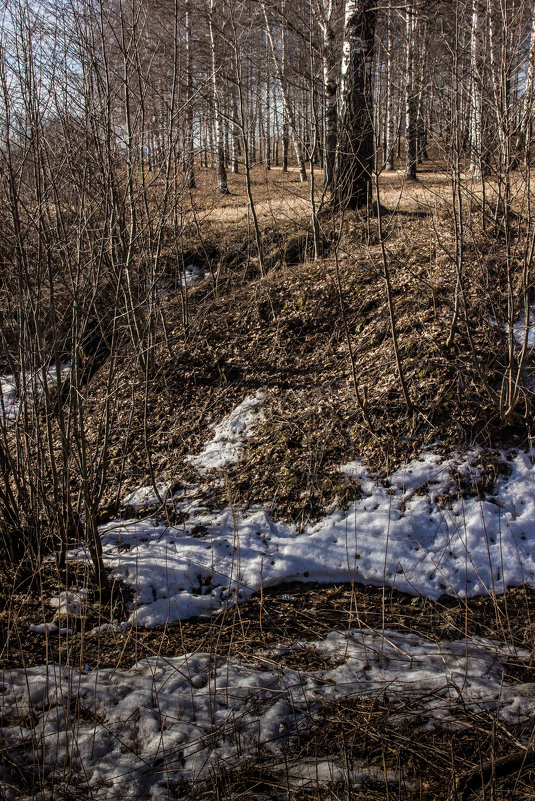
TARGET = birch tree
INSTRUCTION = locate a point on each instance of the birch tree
(390, 121)
(218, 120)
(324, 14)
(411, 98)
(283, 89)
(189, 146)
(355, 155)
(526, 121)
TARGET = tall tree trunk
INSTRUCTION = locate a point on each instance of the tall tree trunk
(421, 127)
(190, 166)
(235, 168)
(285, 146)
(324, 12)
(478, 157)
(390, 122)
(411, 98)
(355, 154)
(526, 121)
(276, 127)
(219, 133)
(267, 127)
(288, 108)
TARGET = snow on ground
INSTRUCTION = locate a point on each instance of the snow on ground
(31, 383)
(146, 496)
(9, 397)
(225, 446)
(170, 722)
(69, 603)
(193, 274)
(414, 532)
(519, 329)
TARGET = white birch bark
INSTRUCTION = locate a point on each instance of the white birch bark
(288, 109)
(324, 14)
(220, 144)
(527, 100)
(499, 88)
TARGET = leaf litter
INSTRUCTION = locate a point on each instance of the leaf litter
(454, 522)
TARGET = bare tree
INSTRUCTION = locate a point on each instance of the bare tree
(355, 156)
(411, 96)
(324, 10)
(288, 108)
(218, 119)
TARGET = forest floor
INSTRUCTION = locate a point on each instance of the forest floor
(308, 602)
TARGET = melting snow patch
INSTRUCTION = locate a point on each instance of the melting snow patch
(417, 532)
(189, 716)
(69, 603)
(519, 329)
(225, 446)
(193, 274)
(10, 399)
(32, 384)
(146, 496)
(43, 628)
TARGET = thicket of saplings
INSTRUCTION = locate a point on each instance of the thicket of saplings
(83, 289)
(98, 210)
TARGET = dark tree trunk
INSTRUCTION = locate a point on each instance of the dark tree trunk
(189, 143)
(329, 72)
(411, 100)
(355, 155)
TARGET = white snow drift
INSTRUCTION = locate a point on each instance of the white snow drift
(416, 533)
(225, 446)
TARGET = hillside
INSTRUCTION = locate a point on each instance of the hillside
(318, 536)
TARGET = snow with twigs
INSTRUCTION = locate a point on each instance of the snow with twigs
(226, 444)
(176, 721)
(416, 532)
(30, 385)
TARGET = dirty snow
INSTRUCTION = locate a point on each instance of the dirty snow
(519, 329)
(43, 628)
(32, 384)
(69, 603)
(415, 533)
(146, 496)
(193, 274)
(174, 721)
(167, 724)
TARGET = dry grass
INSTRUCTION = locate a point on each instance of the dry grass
(292, 613)
(284, 333)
